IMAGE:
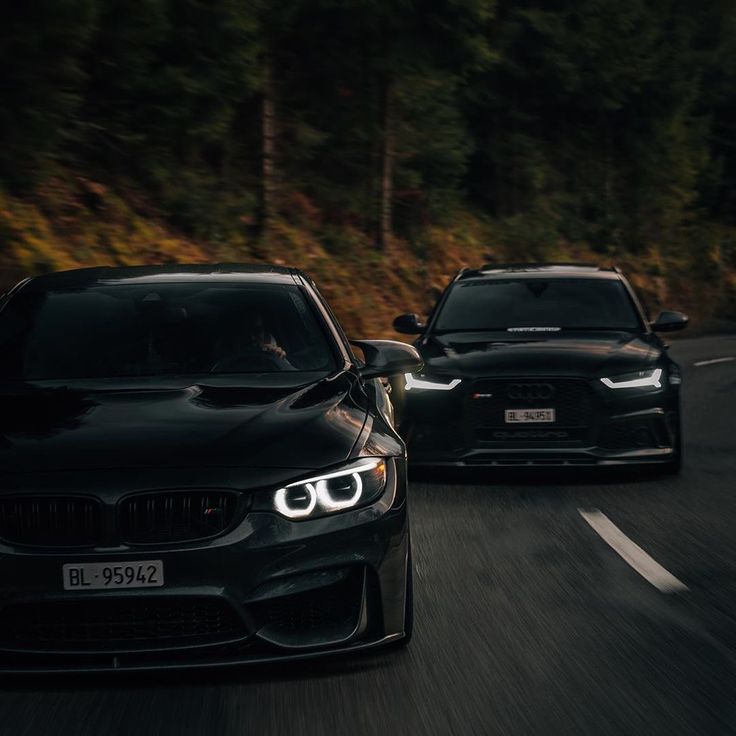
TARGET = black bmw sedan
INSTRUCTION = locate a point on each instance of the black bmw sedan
(542, 365)
(195, 469)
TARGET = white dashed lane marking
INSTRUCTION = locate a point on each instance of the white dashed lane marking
(715, 360)
(634, 555)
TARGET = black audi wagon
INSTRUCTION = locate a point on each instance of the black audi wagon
(195, 469)
(538, 365)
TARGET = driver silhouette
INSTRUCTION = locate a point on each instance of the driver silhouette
(248, 345)
(256, 335)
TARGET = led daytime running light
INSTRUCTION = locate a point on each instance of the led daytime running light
(652, 380)
(412, 382)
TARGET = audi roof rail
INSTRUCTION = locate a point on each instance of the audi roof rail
(461, 272)
(491, 268)
(541, 265)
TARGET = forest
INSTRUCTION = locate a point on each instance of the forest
(379, 144)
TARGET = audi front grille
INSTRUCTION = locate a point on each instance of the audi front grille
(572, 399)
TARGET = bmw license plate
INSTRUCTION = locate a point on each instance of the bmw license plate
(521, 416)
(111, 576)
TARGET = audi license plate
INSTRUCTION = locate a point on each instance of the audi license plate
(111, 576)
(520, 416)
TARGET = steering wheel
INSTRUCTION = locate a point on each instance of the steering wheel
(246, 361)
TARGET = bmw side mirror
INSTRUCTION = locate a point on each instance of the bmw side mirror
(409, 324)
(385, 358)
(670, 322)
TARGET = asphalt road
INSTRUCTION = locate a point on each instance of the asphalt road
(527, 622)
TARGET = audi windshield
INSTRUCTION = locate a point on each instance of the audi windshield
(537, 303)
(162, 329)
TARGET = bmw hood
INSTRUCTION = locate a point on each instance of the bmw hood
(585, 353)
(296, 421)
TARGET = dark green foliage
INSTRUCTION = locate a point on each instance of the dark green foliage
(593, 115)
(42, 46)
(611, 123)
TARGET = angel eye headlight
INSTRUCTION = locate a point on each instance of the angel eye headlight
(651, 378)
(356, 484)
(295, 502)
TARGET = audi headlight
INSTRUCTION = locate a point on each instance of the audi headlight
(651, 378)
(357, 484)
(433, 384)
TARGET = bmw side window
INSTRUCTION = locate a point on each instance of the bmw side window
(313, 329)
(319, 304)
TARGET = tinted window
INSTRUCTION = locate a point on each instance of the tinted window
(161, 330)
(536, 302)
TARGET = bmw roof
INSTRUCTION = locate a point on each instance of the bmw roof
(107, 275)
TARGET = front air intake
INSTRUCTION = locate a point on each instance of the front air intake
(119, 624)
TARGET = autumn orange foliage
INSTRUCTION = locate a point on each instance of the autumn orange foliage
(77, 222)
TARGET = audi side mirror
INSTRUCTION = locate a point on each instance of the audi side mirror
(409, 324)
(385, 358)
(670, 322)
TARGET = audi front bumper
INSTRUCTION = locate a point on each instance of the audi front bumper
(593, 427)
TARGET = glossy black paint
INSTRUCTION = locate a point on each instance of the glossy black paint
(670, 322)
(447, 427)
(266, 421)
(409, 324)
(250, 434)
(387, 358)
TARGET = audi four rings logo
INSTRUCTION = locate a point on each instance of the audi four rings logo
(530, 391)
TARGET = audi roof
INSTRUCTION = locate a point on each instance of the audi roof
(546, 270)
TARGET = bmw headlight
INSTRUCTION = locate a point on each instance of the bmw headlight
(433, 384)
(356, 484)
(650, 378)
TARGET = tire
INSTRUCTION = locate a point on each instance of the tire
(674, 466)
(409, 602)
(408, 608)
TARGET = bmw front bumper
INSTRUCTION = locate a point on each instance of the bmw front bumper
(267, 590)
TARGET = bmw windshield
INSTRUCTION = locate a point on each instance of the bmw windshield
(162, 329)
(537, 304)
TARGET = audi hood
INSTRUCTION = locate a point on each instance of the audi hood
(563, 352)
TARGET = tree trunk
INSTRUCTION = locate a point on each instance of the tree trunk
(268, 174)
(385, 207)
(607, 178)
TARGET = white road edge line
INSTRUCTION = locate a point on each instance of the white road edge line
(634, 555)
(715, 360)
